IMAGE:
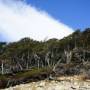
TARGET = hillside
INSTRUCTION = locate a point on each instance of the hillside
(29, 60)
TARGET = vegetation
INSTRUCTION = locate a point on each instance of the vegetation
(28, 58)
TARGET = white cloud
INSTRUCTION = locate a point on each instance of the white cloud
(18, 20)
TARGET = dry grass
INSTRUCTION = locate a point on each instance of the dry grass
(83, 77)
(74, 78)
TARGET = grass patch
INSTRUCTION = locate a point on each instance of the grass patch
(27, 73)
(33, 72)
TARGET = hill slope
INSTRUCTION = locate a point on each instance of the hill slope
(28, 60)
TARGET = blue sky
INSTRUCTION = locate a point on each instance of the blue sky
(42, 19)
(75, 13)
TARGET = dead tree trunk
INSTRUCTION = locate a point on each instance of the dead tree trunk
(2, 68)
(21, 68)
(47, 59)
(27, 63)
(37, 58)
(68, 55)
(56, 64)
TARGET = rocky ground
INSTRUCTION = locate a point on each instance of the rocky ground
(61, 83)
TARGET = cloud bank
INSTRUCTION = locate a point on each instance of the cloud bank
(18, 20)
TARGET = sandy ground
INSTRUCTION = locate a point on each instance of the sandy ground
(63, 83)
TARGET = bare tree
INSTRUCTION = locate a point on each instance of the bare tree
(2, 68)
(58, 62)
(27, 63)
(37, 58)
(68, 55)
(47, 59)
(17, 61)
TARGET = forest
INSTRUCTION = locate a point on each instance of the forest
(29, 60)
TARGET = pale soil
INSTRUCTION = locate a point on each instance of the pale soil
(61, 83)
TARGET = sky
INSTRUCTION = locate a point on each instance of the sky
(41, 19)
(75, 13)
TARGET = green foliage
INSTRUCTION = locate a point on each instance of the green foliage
(34, 72)
(21, 55)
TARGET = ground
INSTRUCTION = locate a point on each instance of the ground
(61, 83)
